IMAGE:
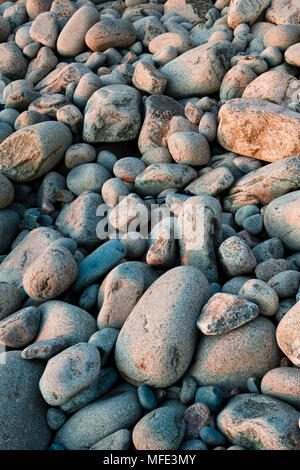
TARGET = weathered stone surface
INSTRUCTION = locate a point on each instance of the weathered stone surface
(159, 111)
(225, 312)
(245, 11)
(283, 383)
(282, 219)
(159, 176)
(228, 360)
(33, 151)
(277, 87)
(112, 115)
(12, 269)
(265, 184)
(260, 422)
(156, 343)
(288, 334)
(58, 80)
(260, 129)
(284, 12)
(110, 33)
(199, 71)
(193, 11)
(63, 321)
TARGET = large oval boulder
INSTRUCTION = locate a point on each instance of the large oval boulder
(157, 341)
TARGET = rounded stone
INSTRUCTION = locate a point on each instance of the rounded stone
(236, 257)
(161, 429)
(20, 328)
(282, 219)
(113, 190)
(285, 284)
(7, 192)
(282, 36)
(12, 62)
(119, 440)
(32, 151)
(71, 41)
(159, 176)
(261, 294)
(60, 320)
(10, 299)
(292, 55)
(283, 383)
(196, 417)
(78, 154)
(189, 148)
(260, 422)
(27, 410)
(120, 409)
(288, 334)
(69, 372)
(228, 360)
(87, 177)
(51, 274)
(159, 323)
(110, 33)
(128, 168)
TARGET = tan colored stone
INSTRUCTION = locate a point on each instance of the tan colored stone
(284, 12)
(277, 87)
(259, 129)
(180, 41)
(288, 334)
(245, 11)
(230, 359)
(193, 11)
(283, 383)
(265, 184)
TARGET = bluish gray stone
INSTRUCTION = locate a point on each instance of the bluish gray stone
(98, 263)
(118, 410)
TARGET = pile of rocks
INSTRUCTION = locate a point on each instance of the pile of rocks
(115, 114)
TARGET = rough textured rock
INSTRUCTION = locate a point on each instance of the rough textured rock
(283, 383)
(71, 40)
(284, 12)
(265, 184)
(33, 151)
(259, 129)
(288, 334)
(193, 11)
(260, 422)
(225, 312)
(112, 115)
(199, 71)
(12, 269)
(110, 33)
(277, 87)
(282, 219)
(156, 344)
(241, 11)
(70, 372)
(159, 111)
(228, 360)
